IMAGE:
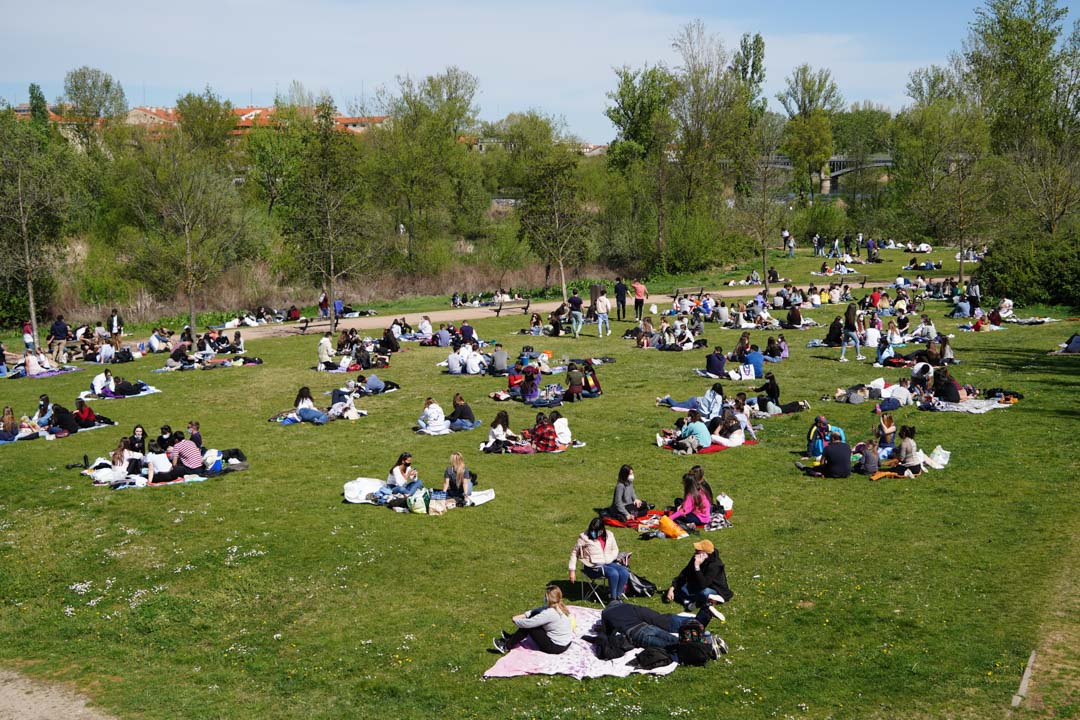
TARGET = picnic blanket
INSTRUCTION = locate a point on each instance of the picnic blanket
(49, 373)
(1031, 320)
(974, 406)
(578, 662)
(633, 523)
(357, 492)
(87, 395)
(715, 448)
(43, 434)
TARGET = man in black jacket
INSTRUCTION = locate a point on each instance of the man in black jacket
(646, 628)
(702, 582)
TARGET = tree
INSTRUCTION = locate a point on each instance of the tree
(39, 108)
(859, 133)
(748, 64)
(552, 217)
(34, 201)
(808, 92)
(1043, 179)
(206, 119)
(641, 111)
(759, 211)
(808, 142)
(273, 152)
(325, 219)
(190, 216)
(941, 170)
(930, 84)
(93, 98)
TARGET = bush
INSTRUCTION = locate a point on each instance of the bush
(15, 303)
(822, 218)
(1031, 267)
(691, 242)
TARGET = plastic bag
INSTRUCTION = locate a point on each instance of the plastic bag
(940, 455)
(418, 502)
(669, 528)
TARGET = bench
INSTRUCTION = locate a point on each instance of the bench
(512, 304)
(695, 292)
(306, 323)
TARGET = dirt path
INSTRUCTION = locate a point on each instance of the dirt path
(381, 322)
(25, 699)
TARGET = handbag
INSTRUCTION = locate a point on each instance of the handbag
(670, 528)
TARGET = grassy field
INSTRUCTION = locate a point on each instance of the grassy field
(260, 594)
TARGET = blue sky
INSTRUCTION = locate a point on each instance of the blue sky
(555, 56)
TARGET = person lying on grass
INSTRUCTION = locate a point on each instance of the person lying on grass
(769, 403)
(708, 405)
(551, 627)
(305, 409)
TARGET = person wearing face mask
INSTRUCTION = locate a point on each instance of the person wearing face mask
(703, 581)
(626, 504)
(599, 554)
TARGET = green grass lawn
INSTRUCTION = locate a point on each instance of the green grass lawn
(260, 594)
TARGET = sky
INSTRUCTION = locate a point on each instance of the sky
(555, 56)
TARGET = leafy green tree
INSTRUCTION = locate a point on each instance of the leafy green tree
(522, 138)
(273, 153)
(942, 168)
(39, 108)
(326, 221)
(190, 215)
(641, 110)
(930, 84)
(93, 98)
(807, 92)
(206, 119)
(552, 218)
(808, 142)
(34, 202)
(759, 213)
(859, 133)
(748, 64)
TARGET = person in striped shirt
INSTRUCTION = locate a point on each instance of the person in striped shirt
(186, 460)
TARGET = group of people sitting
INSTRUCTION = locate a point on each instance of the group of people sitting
(524, 382)
(356, 353)
(434, 421)
(403, 481)
(462, 299)
(889, 448)
(105, 385)
(50, 419)
(138, 460)
(342, 402)
(550, 433)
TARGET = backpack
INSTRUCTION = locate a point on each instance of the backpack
(692, 632)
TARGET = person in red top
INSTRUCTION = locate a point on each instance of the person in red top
(543, 435)
(875, 298)
(84, 415)
(186, 460)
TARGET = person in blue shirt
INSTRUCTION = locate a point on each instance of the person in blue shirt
(693, 436)
(757, 360)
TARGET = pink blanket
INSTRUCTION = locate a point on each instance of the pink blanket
(578, 662)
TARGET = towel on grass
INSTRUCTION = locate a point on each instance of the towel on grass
(87, 395)
(974, 406)
(579, 661)
(53, 373)
(715, 448)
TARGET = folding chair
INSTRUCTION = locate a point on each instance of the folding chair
(590, 588)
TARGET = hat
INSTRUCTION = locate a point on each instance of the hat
(704, 546)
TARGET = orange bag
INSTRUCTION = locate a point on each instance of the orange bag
(669, 528)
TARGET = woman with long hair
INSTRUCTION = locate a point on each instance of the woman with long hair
(9, 426)
(626, 504)
(500, 437)
(458, 480)
(851, 333)
(461, 417)
(306, 410)
(599, 555)
(550, 627)
(696, 507)
(432, 420)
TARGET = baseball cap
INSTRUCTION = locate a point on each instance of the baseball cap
(704, 546)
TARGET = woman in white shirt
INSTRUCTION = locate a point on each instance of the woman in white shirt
(424, 328)
(499, 434)
(432, 420)
(562, 428)
(306, 410)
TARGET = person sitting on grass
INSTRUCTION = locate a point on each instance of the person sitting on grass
(86, 418)
(625, 504)
(500, 360)
(727, 430)
(551, 627)
(819, 435)
(908, 457)
(326, 353)
(692, 436)
(575, 382)
(185, 457)
(696, 507)
(305, 408)
(461, 417)
(432, 420)
(870, 460)
(542, 435)
(401, 480)
(563, 436)
(835, 460)
(62, 422)
(458, 480)
(102, 385)
(599, 555)
(500, 436)
(703, 582)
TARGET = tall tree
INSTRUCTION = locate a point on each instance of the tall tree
(273, 153)
(190, 215)
(39, 108)
(807, 92)
(748, 64)
(641, 110)
(759, 212)
(326, 221)
(552, 218)
(34, 201)
(942, 172)
(808, 142)
(206, 119)
(93, 98)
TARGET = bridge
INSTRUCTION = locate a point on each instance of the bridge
(840, 165)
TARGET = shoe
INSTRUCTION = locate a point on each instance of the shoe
(860, 357)
(805, 404)
(843, 359)
(687, 605)
(609, 333)
(716, 613)
(718, 599)
(719, 646)
(505, 635)
(659, 440)
(85, 462)
(500, 645)
(800, 465)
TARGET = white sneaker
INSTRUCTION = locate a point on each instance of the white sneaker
(717, 614)
(860, 357)
(609, 333)
(843, 359)
(659, 440)
(718, 599)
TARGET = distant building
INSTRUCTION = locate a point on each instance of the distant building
(246, 119)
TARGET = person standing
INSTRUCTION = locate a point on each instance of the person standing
(620, 298)
(790, 245)
(577, 317)
(603, 310)
(324, 304)
(641, 294)
(851, 333)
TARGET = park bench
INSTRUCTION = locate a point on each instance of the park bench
(691, 291)
(512, 304)
(316, 322)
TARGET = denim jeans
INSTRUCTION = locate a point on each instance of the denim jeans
(853, 337)
(459, 425)
(691, 404)
(312, 415)
(617, 576)
(387, 490)
(683, 594)
(577, 320)
(602, 322)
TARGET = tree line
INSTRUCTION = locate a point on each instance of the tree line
(986, 153)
